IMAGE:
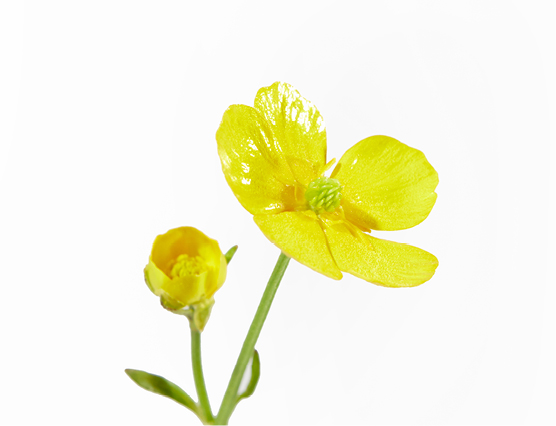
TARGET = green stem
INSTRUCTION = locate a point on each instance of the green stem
(204, 403)
(230, 397)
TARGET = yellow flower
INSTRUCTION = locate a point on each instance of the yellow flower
(274, 159)
(185, 268)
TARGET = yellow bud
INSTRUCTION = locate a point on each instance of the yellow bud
(185, 268)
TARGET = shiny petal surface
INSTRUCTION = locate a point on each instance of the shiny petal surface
(300, 236)
(297, 126)
(253, 162)
(387, 185)
(378, 261)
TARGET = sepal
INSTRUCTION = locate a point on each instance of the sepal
(230, 254)
(198, 314)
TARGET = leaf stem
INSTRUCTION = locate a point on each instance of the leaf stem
(230, 397)
(204, 404)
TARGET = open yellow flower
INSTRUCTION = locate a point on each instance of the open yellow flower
(185, 268)
(274, 159)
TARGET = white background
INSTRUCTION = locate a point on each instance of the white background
(108, 113)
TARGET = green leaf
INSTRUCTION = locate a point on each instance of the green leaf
(254, 380)
(230, 253)
(161, 386)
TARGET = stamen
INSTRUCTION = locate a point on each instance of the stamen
(187, 265)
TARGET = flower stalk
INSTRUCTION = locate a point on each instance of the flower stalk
(205, 412)
(230, 397)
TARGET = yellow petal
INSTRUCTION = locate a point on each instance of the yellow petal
(184, 240)
(300, 236)
(297, 126)
(177, 292)
(187, 290)
(253, 163)
(217, 277)
(381, 262)
(387, 185)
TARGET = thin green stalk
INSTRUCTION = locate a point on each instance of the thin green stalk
(230, 397)
(204, 403)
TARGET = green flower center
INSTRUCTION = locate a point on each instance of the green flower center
(324, 194)
(186, 265)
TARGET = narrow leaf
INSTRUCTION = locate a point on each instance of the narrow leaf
(254, 380)
(161, 386)
(230, 253)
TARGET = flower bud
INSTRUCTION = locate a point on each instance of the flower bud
(185, 269)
